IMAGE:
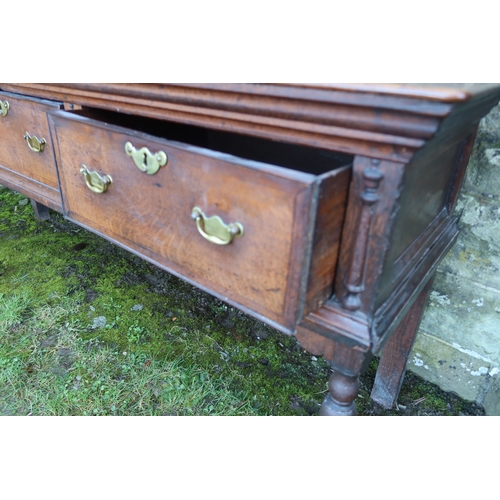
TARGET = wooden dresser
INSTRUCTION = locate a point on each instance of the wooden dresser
(323, 210)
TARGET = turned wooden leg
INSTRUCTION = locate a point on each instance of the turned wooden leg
(392, 364)
(340, 398)
(41, 211)
(348, 361)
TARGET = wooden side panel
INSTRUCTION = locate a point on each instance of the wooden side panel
(392, 311)
(425, 192)
(431, 185)
(330, 210)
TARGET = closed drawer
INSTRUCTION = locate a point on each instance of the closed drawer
(29, 170)
(267, 269)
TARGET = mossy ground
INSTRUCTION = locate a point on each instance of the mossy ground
(88, 328)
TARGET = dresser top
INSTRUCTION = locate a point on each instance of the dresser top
(446, 92)
(386, 121)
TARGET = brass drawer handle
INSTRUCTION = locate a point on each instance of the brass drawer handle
(4, 108)
(34, 143)
(96, 182)
(144, 160)
(213, 228)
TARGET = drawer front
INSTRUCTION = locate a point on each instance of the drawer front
(30, 170)
(261, 271)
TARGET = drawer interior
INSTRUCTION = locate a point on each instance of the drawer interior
(292, 156)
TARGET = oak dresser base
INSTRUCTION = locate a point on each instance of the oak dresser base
(348, 190)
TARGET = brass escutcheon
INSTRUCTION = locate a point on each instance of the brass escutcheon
(34, 143)
(145, 160)
(214, 229)
(4, 108)
(95, 182)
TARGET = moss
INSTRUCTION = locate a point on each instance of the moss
(151, 316)
(16, 213)
(176, 322)
(416, 398)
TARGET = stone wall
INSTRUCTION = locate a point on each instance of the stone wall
(458, 345)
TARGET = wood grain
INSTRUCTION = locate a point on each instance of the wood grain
(330, 212)
(262, 271)
(35, 190)
(27, 115)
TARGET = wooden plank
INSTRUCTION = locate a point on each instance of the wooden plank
(328, 224)
(32, 189)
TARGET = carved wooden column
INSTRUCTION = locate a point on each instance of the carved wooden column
(341, 330)
(355, 277)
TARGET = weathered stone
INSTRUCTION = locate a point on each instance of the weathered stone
(99, 322)
(460, 312)
(458, 346)
(483, 175)
(481, 216)
(471, 259)
(491, 402)
(451, 367)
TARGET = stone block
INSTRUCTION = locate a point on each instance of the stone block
(483, 174)
(471, 259)
(450, 367)
(491, 402)
(461, 312)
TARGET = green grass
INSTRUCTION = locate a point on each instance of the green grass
(63, 374)
(11, 309)
(87, 328)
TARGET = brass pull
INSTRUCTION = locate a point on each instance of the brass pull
(96, 182)
(213, 228)
(4, 108)
(144, 160)
(34, 143)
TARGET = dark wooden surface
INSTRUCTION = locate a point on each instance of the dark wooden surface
(346, 193)
(41, 212)
(394, 358)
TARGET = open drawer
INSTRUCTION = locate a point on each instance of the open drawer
(26, 157)
(260, 236)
